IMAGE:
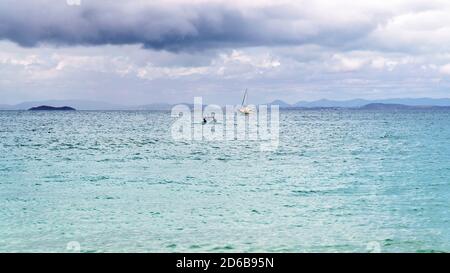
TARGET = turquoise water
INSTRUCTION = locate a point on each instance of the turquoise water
(340, 181)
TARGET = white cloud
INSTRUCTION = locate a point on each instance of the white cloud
(445, 69)
(226, 65)
(341, 63)
(26, 61)
(384, 63)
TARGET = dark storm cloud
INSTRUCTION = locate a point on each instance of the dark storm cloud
(170, 27)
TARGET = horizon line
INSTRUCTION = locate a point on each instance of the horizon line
(271, 102)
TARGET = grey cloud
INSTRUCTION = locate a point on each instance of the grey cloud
(172, 27)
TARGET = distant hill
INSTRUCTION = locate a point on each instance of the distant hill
(51, 108)
(281, 103)
(332, 103)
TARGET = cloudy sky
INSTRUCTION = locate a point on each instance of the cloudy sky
(137, 52)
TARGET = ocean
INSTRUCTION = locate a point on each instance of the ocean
(340, 181)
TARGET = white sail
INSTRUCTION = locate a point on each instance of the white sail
(244, 108)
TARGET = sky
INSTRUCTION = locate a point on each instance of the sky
(140, 52)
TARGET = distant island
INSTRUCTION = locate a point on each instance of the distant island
(51, 108)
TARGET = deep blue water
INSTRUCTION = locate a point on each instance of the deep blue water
(340, 180)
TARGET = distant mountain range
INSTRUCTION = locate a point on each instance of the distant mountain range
(355, 103)
(324, 103)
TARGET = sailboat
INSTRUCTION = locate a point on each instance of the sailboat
(245, 109)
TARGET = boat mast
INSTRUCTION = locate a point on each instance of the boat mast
(245, 96)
